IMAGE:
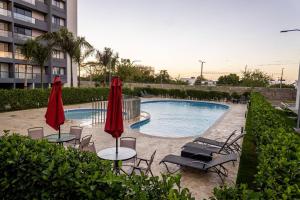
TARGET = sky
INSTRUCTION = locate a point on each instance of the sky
(175, 34)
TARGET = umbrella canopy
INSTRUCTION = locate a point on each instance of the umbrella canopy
(114, 115)
(55, 115)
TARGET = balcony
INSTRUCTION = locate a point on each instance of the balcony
(19, 56)
(24, 18)
(5, 12)
(19, 36)
(30, 1)
(4, 33)
(5, 54)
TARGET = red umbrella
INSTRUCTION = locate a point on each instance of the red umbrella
(55, 115)
(114, 114)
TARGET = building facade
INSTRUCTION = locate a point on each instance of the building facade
(26, 19)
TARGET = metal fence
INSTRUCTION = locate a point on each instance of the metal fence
(131, 109)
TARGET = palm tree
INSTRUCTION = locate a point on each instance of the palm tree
(83, 51)
(41, 56)
(27, 50)
(108, 60)
(66, 41)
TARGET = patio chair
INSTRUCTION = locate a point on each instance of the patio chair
(214, 166)
(85, 142)
(129, 142)
(36, 133)
(90, 147)
(213, 142)
(230, 147)
(147, 165)
(77, 131)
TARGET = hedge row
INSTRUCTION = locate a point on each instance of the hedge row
(278, 151)
(39, 170)
(19, 99)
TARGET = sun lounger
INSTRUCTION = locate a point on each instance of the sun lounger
(227, 148)
(214, 166)
(213, 142)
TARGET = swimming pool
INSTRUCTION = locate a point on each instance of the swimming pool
(179, 118)
(84, 115)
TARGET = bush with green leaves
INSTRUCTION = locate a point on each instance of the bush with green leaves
(18, 99)
(278, 154)
(33, 169)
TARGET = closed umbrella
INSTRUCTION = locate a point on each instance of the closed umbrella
(114, 115)
(55, 115)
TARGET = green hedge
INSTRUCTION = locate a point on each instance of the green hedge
(18, 99)
(278, 153)
(39, 170)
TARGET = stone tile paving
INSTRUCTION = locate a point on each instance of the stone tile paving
(201, 185)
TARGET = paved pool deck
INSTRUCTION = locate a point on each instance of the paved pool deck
(201, 185)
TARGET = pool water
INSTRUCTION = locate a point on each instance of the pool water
(174, 118)
(82, 115)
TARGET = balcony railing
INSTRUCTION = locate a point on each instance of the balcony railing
(22, 37)
(4, 74)
(5, 54)
(30, 1)
(4, 33)
(19, 56)
(5, 12)
(24, 18)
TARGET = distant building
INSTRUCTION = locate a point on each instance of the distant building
(275, 82)
(209, 83)
(189, 81)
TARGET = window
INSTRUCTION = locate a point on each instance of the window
(58, 71)
(18, 54)
(58, 54)
(59, 4)
(4, 47)
(58, 21)
(23, 31)
(3, 5)
(22, 11)
(20, 71)
(4, 70)
(3, 26)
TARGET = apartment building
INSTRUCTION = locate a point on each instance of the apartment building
(24, 19)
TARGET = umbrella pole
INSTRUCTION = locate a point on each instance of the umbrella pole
(116, 145)
(59, 132)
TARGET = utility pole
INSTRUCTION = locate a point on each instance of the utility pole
(281, 77)
(246, 68)
(201, 76)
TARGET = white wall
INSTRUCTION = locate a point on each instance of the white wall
(72, 26)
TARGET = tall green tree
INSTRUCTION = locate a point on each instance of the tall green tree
(83, 51)
(108, 60)
(231, 79)
(27, 50)
(255, 78)
(68, 43)
(41, 56)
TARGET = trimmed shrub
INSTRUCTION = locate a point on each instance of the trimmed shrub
(278, 153)
(39, 170)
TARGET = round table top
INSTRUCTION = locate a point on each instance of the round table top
(123, 153)
(64, 137)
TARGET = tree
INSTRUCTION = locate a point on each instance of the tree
(81, 54)
(255, 78)
(108, 60)
(68, 43)
(41, 56)
(231, 79)
(198, 80)
(27, 50)
(163, 77)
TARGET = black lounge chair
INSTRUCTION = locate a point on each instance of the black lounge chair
(214, 166)
(213, 142)
(230, 147)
